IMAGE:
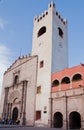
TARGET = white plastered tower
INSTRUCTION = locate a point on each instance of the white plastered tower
(50, 43)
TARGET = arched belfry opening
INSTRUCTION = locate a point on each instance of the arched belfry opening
(41, 31)
(58, 120)
(74, 120)
(60, 32)
(15, 114)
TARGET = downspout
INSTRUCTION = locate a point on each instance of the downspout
(35, 90)
(51, 110)
(51, 107)
(66, 113)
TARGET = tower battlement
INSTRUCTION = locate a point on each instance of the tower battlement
(51, 5)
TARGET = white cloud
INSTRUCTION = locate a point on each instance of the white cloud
(2, 23)
(4, 61)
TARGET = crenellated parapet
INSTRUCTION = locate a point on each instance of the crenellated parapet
(63, 20)
(43, 15)
(46, 12)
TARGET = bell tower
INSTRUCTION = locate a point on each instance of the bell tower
(50, 43)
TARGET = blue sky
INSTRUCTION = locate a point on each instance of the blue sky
(16, 27)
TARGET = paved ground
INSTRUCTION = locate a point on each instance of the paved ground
(12, 127)
(25, 128)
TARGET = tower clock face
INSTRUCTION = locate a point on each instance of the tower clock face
(40, 44)
(60, 45)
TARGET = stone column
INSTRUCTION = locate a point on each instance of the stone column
(8, 106)
(10, 112)
(4, 115)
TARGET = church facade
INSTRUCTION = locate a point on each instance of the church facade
(18, 96)
(40, 89)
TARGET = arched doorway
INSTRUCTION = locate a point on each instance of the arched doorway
(58, 120)
(74, 120)
(15, 114)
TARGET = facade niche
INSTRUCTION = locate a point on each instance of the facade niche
(16, 79)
